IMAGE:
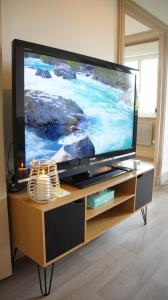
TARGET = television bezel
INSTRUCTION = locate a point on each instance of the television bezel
(71, 166)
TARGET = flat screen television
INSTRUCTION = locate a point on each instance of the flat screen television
(76, 110)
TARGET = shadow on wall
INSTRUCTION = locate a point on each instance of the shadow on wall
(8, 128)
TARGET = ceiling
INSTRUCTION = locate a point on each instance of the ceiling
(158, 8)
(133, 26)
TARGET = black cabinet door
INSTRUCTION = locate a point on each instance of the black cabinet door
(64, 228)
(144, 189)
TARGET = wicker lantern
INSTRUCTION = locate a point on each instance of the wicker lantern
(43, 184)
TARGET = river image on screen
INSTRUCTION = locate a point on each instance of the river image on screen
(75, 110)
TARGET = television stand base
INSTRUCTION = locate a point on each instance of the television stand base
(84, 180)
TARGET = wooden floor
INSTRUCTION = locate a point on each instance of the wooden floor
(129, 262)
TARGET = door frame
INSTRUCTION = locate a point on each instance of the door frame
(158, 32)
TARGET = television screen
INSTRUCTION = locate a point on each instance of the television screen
(77, 110)
(74, 110)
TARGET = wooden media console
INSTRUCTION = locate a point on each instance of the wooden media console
(47, 232)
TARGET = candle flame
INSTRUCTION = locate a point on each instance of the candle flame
(22, 165)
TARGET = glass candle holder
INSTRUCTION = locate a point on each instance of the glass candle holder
(43, 184)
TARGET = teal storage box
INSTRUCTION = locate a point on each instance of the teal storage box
(98, 199)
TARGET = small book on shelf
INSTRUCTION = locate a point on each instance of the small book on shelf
(99, 199)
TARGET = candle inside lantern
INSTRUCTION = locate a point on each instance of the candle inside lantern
(21, 168)
(43, 187)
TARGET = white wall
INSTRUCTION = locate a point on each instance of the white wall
(82, 26)
(132, 26)
(150, 48)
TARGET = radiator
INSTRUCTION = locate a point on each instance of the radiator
(144, 133)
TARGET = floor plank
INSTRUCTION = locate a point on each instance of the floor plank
(128, 262)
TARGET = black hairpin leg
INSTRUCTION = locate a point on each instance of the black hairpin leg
(45, 291)
(13, 255)
(144, 214)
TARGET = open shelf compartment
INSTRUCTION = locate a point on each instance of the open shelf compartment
(99, 224)
(118, 199)
(122, 192)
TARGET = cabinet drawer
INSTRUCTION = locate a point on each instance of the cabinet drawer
(64, 228)
(144, 189)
